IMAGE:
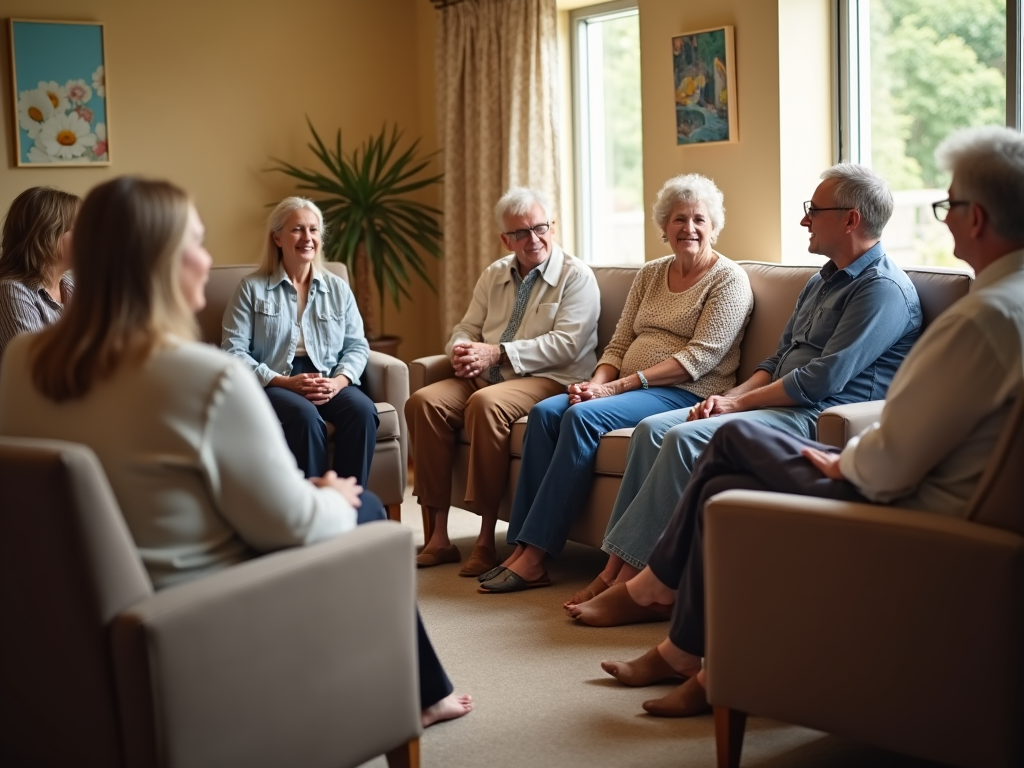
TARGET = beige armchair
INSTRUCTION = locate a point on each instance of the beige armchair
(386, 379)
(290, 659)
(898, 628)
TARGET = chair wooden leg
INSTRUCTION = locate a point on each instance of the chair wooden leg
(729, 727)
(395, 512)
(405, 756)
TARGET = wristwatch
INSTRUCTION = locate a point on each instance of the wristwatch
(643, 380)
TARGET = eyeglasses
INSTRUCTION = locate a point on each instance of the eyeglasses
(810, 210)
(941, 208)
(539, 229)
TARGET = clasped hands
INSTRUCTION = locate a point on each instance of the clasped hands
(472, 358)
(346, 486)
(316, 388)
(582, 391)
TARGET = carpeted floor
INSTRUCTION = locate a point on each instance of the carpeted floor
(541, 698)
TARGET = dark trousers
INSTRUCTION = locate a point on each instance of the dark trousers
(743, 455)
(434, 682)
(355, 421)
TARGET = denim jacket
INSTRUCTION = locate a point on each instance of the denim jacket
(260, 328)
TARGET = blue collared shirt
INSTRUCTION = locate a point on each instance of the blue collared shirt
(260, 326)
(849, 333)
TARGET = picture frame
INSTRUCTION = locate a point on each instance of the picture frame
(704, 80)
(61, 112)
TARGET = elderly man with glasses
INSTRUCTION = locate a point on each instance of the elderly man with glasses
(908, 458)
(853, 324)
(530, 330)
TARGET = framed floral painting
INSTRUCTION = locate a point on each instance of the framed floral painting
(60, 93)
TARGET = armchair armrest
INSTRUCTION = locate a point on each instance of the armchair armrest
(387, 381)
(427, 370)
(892, 626)
(294, 658)
(836, 425)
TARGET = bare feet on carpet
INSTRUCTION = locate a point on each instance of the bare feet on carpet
(615, 607)
(648, 669)
(686, 700)
(452, 706)
(592, 590)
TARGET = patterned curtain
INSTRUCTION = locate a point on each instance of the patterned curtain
(497, 91)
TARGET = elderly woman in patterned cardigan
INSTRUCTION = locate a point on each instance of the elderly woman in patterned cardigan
(676, 343)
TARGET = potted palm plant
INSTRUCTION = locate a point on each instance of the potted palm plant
(372, 225)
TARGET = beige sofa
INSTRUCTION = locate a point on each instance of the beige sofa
(775, 288)
(386, 379)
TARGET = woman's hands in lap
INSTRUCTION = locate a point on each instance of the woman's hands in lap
(588, 390)
(346, 486)
(312, 386)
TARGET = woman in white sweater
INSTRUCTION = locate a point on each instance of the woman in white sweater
(189, 443)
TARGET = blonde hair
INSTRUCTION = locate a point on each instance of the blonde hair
(126, 251)
(271, 255)
(35, 222)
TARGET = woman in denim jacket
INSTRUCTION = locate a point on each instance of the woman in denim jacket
(297, 326)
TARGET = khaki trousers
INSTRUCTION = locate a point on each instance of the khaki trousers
(436, 413)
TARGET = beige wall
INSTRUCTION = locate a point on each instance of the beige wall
(204, 92)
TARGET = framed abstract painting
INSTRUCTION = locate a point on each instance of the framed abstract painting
(704, 74)
(59, 71)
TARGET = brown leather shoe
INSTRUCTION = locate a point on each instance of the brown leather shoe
(449, 554)
(481, 561)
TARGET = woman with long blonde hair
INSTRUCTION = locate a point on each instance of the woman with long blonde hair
(186, 437)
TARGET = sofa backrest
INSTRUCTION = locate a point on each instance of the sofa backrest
(220, 289)
(776, 287)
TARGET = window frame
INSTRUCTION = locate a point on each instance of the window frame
(582, 140)
(852, 102)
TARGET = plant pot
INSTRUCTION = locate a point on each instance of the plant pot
(386, 344)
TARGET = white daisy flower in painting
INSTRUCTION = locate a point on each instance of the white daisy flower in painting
(66, 136)
(99, 81)
(37, 155)
(100, 150)
(78, 91)
(34, 109)
(57, 94)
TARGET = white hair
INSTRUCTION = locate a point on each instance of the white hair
(690, 188)
(518, 201)
(988, 164)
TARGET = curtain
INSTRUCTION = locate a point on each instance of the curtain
(497, 92)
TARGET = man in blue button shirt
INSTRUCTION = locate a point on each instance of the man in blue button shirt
(853, 324)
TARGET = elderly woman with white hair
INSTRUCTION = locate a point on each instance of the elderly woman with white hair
(297, 327)
(676, 343)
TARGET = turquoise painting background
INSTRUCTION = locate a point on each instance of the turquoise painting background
(58, 52)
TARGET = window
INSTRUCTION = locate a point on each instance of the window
(608, 141)
(911, 72)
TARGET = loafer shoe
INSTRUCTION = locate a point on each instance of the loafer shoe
(482, 561)
(449, 554)
(510, 581)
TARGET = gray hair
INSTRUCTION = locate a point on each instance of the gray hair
(518, 201)
(988, 164)
(271, 255)
(690, 188)
(857, 186)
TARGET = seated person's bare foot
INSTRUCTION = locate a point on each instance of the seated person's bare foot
(686, 700)
(592, 590)
(615, 607)
(648, 669)
(452, 706)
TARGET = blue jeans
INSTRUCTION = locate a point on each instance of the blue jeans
(355, 421)
(434, 682)
(660, 460)
(559, 453)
